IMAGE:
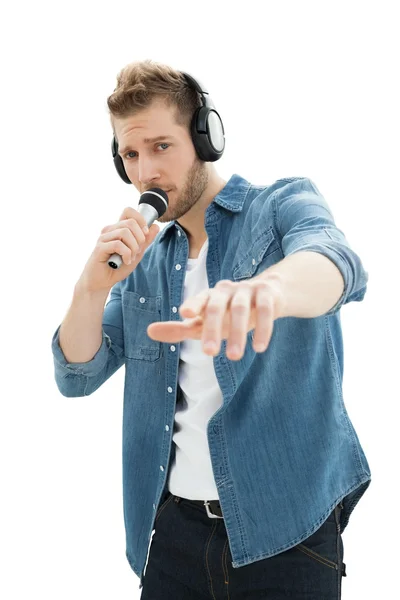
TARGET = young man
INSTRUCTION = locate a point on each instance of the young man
(237, 447)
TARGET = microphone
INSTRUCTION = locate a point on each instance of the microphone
(152, 205)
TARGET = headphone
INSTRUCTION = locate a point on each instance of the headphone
(207, 131)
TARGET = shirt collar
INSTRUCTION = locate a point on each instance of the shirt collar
(231, 197)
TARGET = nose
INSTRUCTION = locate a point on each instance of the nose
(148, 171)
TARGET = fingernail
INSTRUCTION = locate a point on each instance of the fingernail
(259, 347)
(146, 229)
(210, 347)
(234, 349)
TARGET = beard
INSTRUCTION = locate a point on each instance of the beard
(194, 186)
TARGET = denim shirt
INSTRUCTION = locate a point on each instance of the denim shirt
(283, 450)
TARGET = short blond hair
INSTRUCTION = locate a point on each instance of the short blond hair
(140, 83)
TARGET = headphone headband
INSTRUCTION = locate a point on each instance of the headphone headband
(200, 89)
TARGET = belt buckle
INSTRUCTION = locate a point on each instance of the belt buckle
(209, 513)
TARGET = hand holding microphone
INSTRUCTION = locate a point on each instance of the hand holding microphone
(152, 205)
(121, 246)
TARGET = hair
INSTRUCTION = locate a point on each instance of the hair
(140, 83)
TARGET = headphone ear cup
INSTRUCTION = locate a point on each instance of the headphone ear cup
(118, 163)
(197, 137)
(206, 127)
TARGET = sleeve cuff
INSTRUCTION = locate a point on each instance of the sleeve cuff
(90, 368)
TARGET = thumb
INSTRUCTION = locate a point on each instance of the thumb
(154, 229)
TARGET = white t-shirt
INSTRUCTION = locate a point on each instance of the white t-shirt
(191, 475)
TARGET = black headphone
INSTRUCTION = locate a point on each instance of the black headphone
(206, 129)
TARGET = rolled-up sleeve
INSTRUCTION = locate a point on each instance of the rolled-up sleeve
(82, 379)
(305, 223)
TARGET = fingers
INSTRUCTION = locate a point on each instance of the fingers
(230, 311)
(134, 226)
(214, 313)
(131, 213)
(240, 316)
(175, 331)
(264, 318)
(195, 305)
(131, 239)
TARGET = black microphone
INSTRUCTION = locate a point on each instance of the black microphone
(152, 205)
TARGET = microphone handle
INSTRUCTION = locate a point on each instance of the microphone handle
(150, 214)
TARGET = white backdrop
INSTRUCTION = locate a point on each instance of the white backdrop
(304, 88)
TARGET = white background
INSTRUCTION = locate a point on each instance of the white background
(304, 88)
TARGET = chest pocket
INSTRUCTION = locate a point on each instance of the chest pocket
(138, 313)
(261, 253)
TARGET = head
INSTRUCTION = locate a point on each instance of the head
(154, 101)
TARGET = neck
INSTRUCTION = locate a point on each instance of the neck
(193, 221)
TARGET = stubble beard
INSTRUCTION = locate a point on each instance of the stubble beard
(196, 183)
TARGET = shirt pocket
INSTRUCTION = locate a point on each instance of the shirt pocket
(139, 312)
(258, 254)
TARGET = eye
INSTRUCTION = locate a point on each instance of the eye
(127, 155)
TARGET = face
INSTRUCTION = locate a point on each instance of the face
(170, 163)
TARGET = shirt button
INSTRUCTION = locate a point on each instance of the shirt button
(179, 233)
(154, 507)
(254, 261)
(169, 389)
(167, 428)
(178, 267)
(161, 468)
(173, 348)
(174, 309)
(142, 300)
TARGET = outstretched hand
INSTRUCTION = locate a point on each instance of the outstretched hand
(228, 311)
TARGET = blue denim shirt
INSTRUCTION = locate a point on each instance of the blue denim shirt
(284, 452)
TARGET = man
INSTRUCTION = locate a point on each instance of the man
(237, 447)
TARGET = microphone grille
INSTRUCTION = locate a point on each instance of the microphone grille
(157, 198)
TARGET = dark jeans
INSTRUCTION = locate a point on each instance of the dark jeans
(190, 559)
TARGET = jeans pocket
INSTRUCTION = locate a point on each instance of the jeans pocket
(163, 506)
(317, 557)
(321, 546)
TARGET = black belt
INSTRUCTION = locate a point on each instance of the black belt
(213, 507)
